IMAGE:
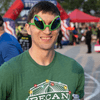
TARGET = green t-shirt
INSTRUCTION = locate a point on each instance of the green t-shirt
(21, 78)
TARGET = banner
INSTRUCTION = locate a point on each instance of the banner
(30, 3)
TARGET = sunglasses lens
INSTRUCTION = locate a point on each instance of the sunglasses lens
(38, 22)
(55, 23)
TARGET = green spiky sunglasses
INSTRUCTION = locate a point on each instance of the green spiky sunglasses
(40, 24)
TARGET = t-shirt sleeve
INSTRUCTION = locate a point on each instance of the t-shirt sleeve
(80, 86)
(9, 51)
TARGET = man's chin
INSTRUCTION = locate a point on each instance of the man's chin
(46, 47)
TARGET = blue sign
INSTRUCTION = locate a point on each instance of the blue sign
(30, 3)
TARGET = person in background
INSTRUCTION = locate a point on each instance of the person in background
(83, 29)
(41, 72)
(18, 29)
(9, 46)
(59, 39)
(88, 37)
(98, 35)
(24, 39)
(75, 35)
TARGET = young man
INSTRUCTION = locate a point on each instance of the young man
(9, 46)
(41, 73)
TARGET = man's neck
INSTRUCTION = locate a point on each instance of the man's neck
(42, 57)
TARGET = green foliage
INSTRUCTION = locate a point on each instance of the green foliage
(68, 5)
(89, 5)
(4, 5)
(71, 4)
(98, 5)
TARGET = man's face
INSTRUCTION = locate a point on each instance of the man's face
(43, 39)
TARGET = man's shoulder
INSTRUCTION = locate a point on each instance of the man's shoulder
(18, 59)
(70, 62)
(7, 37)
(7, 40)
(14, 62)
(6, 34)
(64, 57)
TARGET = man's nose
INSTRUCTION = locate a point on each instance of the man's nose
(47, 31)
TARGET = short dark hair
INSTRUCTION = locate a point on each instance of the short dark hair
(1, 21)
(44, 6)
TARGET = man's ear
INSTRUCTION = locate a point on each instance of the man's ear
(27, 27)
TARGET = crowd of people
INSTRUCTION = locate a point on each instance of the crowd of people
(86, 33)
(77, 35)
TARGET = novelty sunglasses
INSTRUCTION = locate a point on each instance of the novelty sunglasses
(40, 24)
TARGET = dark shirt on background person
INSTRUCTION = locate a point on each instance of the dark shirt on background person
(88, 39)
(98, 35)
(59, 39)
(25, 40)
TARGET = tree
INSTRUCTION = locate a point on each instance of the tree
(70, 5)
(4, 5)
(87, 6)
(90, 5)
(98, 6)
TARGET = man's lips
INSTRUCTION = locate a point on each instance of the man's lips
(46, 38)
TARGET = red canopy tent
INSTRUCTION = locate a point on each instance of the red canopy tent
(81, 17)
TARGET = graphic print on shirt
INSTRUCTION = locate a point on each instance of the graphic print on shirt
(25, 42)
(49, 90)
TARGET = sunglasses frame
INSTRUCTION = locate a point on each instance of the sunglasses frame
(50, 25)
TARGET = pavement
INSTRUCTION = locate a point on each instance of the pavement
(90, 63)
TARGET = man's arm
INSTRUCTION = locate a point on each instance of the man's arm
(81, 82)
